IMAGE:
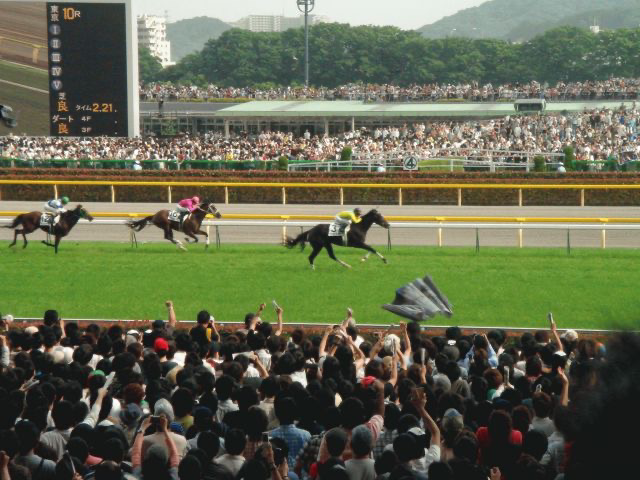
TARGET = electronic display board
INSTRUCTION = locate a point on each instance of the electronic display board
(87, 69)
(68, 69)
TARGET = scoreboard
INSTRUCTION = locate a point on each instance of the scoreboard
(92, 69)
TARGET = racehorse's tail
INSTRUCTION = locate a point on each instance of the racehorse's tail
(140, 224)
(300, 239)
(16, 221)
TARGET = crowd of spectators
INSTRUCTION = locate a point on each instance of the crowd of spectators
(611, 89)
(216, 402)
(596, 135)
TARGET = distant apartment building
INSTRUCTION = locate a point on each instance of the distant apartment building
(152, 34)
(276, 23)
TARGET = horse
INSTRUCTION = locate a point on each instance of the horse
(190, 226)
(31, 222)
(319, 238)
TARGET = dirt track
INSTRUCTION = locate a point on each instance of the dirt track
(22, 28)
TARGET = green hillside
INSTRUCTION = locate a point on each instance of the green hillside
(519, 20)
(190, 35)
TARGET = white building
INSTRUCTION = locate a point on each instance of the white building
(152, 34)
(276, 23)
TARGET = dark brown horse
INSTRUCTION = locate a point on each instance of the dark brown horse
(319, 238)
(30, 222)
(190, 226)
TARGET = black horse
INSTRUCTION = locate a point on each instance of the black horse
(319, 238)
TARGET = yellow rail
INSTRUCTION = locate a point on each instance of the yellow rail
(391, 218)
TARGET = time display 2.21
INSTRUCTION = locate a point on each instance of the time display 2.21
(87, 69)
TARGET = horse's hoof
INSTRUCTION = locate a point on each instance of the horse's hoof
(313, 268)
(385, 261)
(363, 260)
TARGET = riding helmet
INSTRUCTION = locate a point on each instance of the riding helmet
(196, 199)
(357, 212)
(64, 200)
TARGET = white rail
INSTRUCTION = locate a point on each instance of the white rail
(439, 226)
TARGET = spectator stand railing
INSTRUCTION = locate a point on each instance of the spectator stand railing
(368, 328)
(340, 187)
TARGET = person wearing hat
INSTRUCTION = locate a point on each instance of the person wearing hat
(55, 207)
(344, 220)
(186, 206)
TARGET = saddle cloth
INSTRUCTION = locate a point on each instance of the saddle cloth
(336, 229)
(174, 215)
(45, 219)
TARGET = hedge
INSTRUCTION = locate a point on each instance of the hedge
(304, 195)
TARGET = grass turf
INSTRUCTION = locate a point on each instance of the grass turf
(495, 287)
(31, 108)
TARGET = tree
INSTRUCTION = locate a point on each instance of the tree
(149, 67)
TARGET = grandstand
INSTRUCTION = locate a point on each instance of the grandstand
(332, 118)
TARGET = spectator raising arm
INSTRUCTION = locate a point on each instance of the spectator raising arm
(278, 331)
(554, 333)
(378, 346)
(172, 314)
(419, 401)
(407, 342)
(348, 318)
(359, 357)
(564, 396)
(322, 348)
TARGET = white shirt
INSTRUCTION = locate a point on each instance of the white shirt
(232, 462)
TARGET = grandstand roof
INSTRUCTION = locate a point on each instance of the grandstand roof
(349, 109)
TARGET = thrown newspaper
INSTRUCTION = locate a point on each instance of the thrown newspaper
(420, 300)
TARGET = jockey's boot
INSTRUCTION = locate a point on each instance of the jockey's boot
(55, 219)
(345, 237)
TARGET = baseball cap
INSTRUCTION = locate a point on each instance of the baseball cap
(366, 381)
(160, 344)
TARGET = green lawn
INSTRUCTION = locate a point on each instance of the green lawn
(500, 287)
(31, 107)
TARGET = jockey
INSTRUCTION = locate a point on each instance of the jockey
(55, 207)
(345, 219)
(187, 205)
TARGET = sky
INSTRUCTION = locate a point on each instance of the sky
(406, 14)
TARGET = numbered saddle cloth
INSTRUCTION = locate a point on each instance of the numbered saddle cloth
(336, 229)
(46, 219)
(174, 215)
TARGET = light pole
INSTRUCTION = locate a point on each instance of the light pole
(306, 7)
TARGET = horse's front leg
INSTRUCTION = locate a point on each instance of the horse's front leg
(206, 236)
(57, 243)
(371, 250)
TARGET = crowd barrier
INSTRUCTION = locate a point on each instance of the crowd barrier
(341, 187)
